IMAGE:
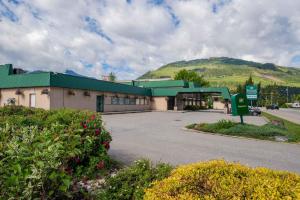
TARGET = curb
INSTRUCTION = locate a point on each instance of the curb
(239, 137)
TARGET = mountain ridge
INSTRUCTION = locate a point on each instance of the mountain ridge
(230, 72)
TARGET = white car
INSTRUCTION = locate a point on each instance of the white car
(296, 105)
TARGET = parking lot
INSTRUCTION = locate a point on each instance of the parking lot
(160, 136)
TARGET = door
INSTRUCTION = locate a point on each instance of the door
(100, 103)
(171, 103)
(32, 100)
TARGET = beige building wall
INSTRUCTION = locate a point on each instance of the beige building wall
(218, 105)
(159, 103)
(23, 99)
(61, 98)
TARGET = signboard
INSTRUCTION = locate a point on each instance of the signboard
(239, 105)
(251, 92)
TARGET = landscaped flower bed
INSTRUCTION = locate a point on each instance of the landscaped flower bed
(44, 154)
(225, 127)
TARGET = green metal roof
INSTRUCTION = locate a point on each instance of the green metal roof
(174, 91)
(68, 81)
(161, 84)
(145, 88)
(9, 80)
(50, 79)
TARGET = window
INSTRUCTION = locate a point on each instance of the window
(132, 101)
(126, 101)
(137, 101)
(142, 101)
(32, 100)
(121, 101)
(114, 100)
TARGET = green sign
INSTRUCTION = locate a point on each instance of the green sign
(239, 105)
(251, 92)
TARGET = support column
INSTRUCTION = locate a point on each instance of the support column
(175, 103)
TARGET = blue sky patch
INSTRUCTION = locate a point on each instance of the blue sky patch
(216, 6)
(6, 12)
(93, 26)
(296, 60)
(86, 64)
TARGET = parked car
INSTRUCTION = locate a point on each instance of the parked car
(296, 105)
(273, 107)
(254, 111)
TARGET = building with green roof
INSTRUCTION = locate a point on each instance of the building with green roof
(51, 90)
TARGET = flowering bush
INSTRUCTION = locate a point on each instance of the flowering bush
(43, 154)
(222, 180)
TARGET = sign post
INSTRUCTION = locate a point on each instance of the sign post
(239, 106)
(251, 92)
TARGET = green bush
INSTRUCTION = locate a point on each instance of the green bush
(130, 183)
(43, 154)
(194, 107)
(222, 180)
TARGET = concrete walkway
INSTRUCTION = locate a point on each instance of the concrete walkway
(159, 136)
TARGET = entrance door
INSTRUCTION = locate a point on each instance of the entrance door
(100, 103)
(171, 103)
(32, 101)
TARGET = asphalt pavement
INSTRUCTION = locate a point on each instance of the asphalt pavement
(159, 136)
(290, 114)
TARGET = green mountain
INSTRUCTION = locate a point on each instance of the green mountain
(223, 71)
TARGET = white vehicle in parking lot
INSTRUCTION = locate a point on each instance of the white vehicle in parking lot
(296, 105)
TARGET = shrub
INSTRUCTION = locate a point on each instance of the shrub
(194, 107)
(130, 182)
(222, 180)
(43, 154)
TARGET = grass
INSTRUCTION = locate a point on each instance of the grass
(265, 132)
(293, 129)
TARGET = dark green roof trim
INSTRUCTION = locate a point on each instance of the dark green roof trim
(50, 79)
(161, 84)
(174, 91)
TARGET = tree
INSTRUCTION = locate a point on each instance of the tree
(249, 81)
(112, 77)
(191, 76)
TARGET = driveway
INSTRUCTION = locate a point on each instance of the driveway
(290, 114)
(160, 136)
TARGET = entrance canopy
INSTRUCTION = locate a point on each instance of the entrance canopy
(159, 92)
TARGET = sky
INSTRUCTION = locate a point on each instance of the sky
(131, 37)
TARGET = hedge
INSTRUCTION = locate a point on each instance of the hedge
(44, 154)
(224, 180)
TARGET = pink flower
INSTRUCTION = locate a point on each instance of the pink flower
(100, 164)
(97, 132)
(106, 145)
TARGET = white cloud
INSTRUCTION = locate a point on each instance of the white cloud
(134, 38)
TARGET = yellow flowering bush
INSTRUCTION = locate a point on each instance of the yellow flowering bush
(219, 179)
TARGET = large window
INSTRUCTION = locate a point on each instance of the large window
(142, 101)
(126, 101)
(132, 101)
(121, 101)
(114, 101)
